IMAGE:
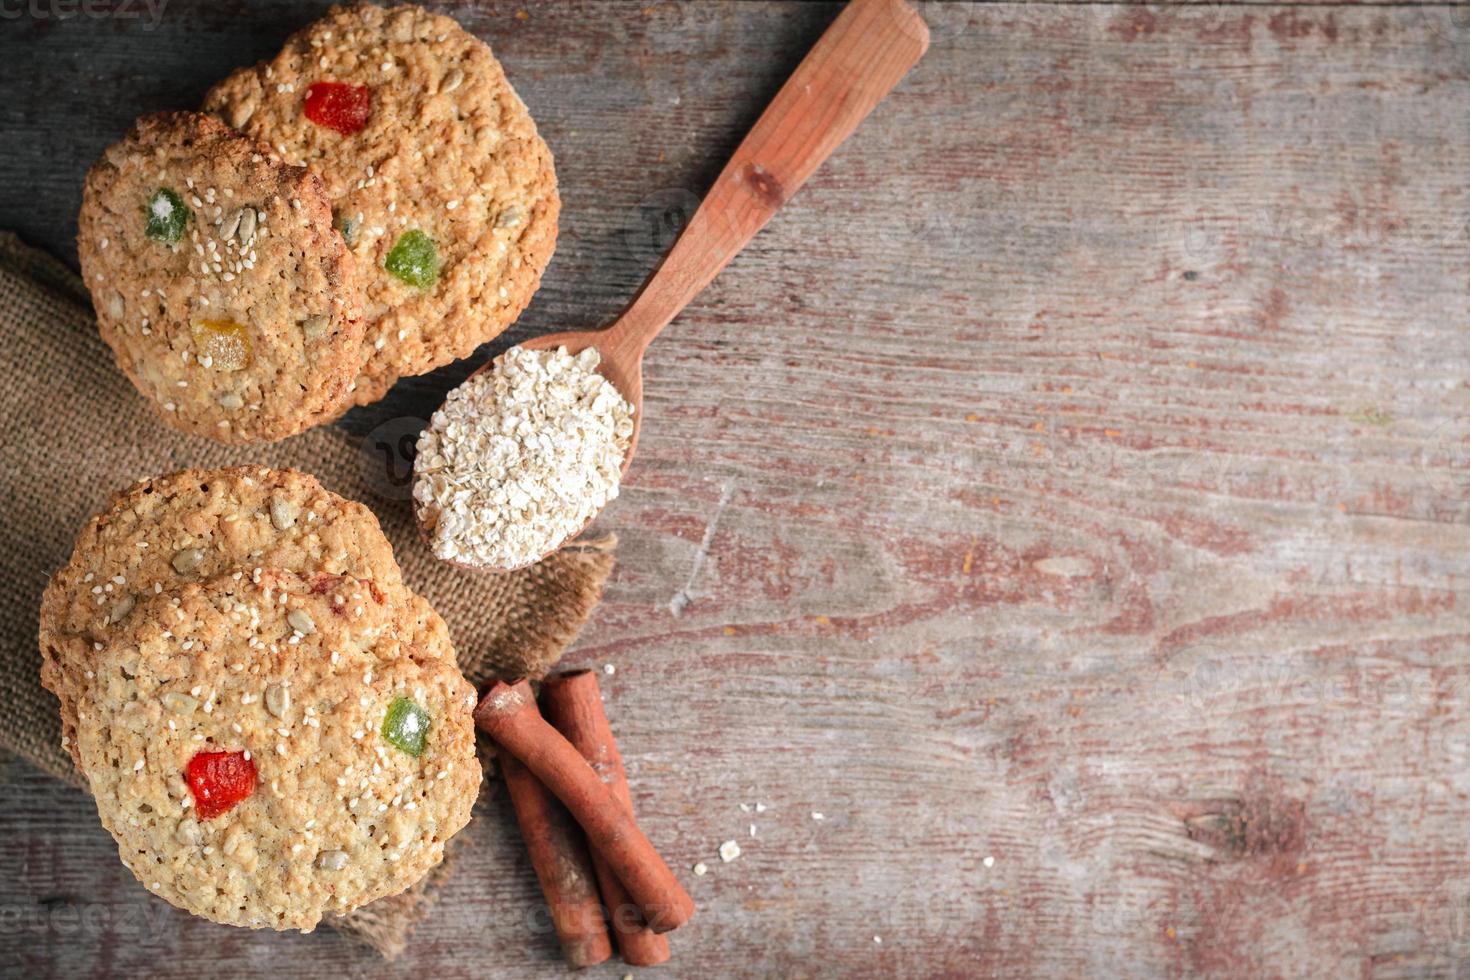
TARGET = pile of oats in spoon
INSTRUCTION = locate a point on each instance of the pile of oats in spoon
(520, 457)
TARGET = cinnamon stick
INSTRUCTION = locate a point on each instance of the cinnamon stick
(508, 715)
(563, 866)
(574, 708)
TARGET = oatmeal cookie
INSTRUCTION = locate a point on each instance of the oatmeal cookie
(443, 188)
(219, 282)
(196, 524)
(267, 749)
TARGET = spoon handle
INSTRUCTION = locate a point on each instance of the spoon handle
(858, 60)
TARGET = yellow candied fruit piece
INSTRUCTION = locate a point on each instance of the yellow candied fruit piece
(225, 343)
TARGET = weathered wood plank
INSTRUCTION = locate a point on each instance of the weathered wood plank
(1077, 475)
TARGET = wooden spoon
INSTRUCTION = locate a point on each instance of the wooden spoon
(869, 47)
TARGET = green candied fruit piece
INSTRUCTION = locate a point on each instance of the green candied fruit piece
(407, 726)
(414, 259)
(167, 216)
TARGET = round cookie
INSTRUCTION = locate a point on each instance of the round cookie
(361, 753)
(443, 188)
(196, 524)
(218, 280)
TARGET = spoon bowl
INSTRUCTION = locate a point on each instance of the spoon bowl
(625, 372)
(858, 60)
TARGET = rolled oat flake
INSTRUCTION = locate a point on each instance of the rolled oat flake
(520, 457)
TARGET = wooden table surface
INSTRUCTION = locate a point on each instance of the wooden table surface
(1067, 496)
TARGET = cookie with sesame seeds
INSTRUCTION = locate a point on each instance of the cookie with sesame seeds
(269, 749)
(226, 295)
(197, 524)
(443, 188)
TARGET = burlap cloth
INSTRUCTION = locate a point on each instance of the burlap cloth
(75, 431)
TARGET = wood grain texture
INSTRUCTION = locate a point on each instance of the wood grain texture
(1067, 495)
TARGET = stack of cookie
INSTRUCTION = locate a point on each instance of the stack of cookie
(271, 722)
(373, 202)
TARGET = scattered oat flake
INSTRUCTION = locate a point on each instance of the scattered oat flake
(989, 861)
(818, 816)
(729, 851)
(701, 869)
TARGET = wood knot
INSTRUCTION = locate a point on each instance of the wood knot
(1258, 825)
(763, 184)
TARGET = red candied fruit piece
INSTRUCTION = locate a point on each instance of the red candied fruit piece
(339, 106)
(219, 780)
